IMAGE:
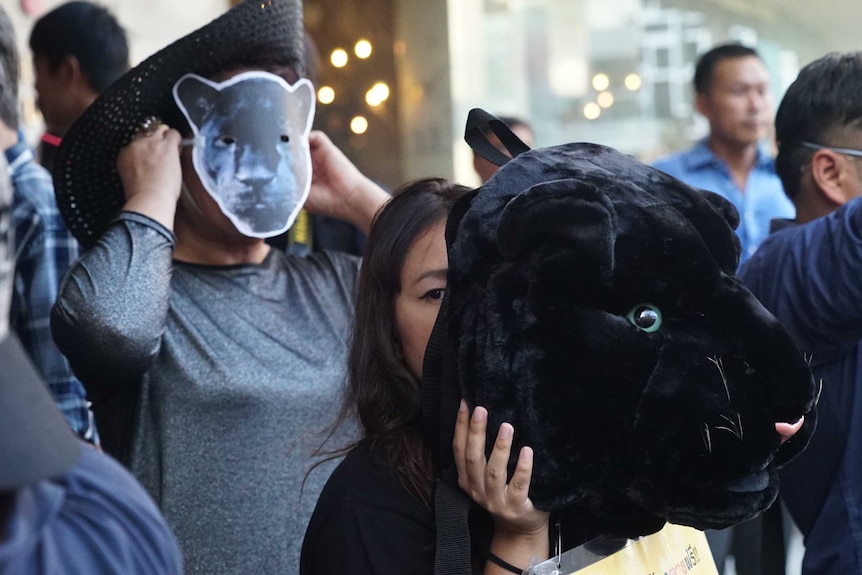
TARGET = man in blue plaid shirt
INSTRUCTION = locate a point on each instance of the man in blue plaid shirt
(44, 249)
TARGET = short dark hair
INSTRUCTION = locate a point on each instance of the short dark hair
(824, 98)
(312, 59)
(88, 32)
(704, 71)
(9, 66)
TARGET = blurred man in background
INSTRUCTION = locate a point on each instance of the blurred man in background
(733, 93)
(79, 49)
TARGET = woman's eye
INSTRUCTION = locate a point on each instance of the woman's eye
(226, 140)
(646, 317)
(285, 138)
(434, 294)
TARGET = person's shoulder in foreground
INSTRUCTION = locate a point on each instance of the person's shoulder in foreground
(808, 276)
(93, 519)
(65, 508)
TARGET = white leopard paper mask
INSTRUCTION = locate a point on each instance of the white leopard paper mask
(250, 146)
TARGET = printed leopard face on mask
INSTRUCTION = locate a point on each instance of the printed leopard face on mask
(250, 146)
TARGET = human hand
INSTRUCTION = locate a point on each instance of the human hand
(149, 168)
(485, 480)
(338, 188)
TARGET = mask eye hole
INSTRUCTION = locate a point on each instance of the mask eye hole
(646, 317)
(225, 141)
(285, 138)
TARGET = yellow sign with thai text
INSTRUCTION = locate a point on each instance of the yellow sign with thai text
(675, 550)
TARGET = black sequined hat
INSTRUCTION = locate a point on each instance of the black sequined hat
(260, 33)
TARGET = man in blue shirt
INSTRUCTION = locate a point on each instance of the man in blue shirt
(808, 274)
(733, 93)
(44, 249)
(64, 507)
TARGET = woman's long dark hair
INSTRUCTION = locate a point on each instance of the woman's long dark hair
(381, 391)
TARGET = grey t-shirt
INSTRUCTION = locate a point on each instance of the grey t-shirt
(235, 372)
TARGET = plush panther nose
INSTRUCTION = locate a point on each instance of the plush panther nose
(788, 430)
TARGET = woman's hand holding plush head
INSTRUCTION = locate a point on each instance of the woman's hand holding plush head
(520, 530)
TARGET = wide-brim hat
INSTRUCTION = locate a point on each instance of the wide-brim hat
(36, 443)
(253, 34)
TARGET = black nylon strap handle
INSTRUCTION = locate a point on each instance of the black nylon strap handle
(451, 510)
(475, 136)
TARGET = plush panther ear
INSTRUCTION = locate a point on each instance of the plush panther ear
(570, 212)
(725, 249)
(195, 97)
(723, 205)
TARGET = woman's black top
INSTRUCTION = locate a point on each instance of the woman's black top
(366, 522)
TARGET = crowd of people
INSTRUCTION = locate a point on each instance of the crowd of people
(172, 382)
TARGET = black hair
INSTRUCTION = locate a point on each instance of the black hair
(9, 67)
(381, 390)
(704, 71)
(312, 59)
(823, 99)
(88, 32)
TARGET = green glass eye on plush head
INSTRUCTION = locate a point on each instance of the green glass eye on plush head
(646, 317)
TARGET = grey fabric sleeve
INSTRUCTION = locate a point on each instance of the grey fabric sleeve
(111, 308)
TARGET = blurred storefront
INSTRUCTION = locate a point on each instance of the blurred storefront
(616, 72)
(396, 78)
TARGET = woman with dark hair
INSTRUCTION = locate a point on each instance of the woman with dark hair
(375, 514)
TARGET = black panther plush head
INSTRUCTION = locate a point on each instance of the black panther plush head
(592, 303)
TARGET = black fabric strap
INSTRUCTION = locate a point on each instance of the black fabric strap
(504, 564)
(478, 121)
(441, 394)
(451, 511)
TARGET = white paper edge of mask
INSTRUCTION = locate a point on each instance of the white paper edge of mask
(198, 139)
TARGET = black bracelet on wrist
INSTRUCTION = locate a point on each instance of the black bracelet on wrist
(504, 564)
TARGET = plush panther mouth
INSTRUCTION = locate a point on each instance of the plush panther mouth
(752, 483)
(788, 430)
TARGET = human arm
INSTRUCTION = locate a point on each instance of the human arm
(106, 523)
(149, 167)
(43, 253)
(808, 277)
(111, 309)
(338, 189)
(520, 530)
